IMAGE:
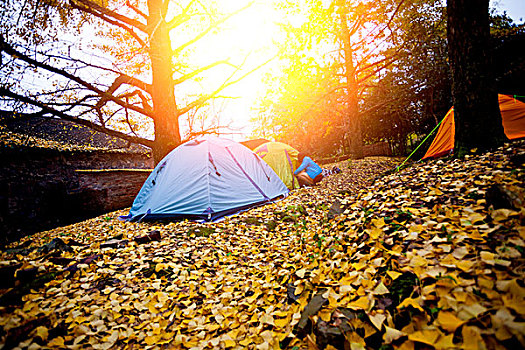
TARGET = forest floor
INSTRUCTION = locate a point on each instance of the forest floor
(428, 257)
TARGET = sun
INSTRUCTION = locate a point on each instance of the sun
(245, 41)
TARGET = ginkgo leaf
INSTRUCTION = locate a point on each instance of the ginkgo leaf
(445, 342)
(448, 321)
(380, 289)
(359, 304)
(377, 320)
(429, 337)
(410, 302)
(392, 334)
(472, 338)
(42, 332)
(300, 273)
(393, 274)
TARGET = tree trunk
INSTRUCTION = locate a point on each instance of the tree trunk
(167, 135)
(476, 109)
(353, 123)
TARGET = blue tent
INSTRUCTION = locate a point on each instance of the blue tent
(206, 179)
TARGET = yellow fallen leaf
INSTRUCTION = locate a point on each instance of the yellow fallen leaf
(345, 289)
(449, 321)
(503, 333)
(379, 223)
(407, 345)
(153, 339)
(375, 233)
(514, 303)
(300, 273)
(411, 302)
(502, 214)
(488, 257)
(476, 217)
(445, 342)
(393, 274)
(42, 332)
(377, 320)
(299, 289)
(502, 262)
(325, 315)
(460, 252)
(472, 339)
(515, 289)
(281, 322)
(357, 346)
(392, 334)
(425, 336)
(245, 342)
(57, 342)
(102, 346)
(359, 304)
(229, 343)
(380, 289)
(266, 318)
(471, 311)
(465, 265)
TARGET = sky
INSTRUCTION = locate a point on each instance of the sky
(515, 8)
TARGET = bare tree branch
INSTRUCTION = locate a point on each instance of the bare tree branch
(125, 79)
(227, 83)
(388, 61)
(198, 71)
(182, 17)
(136, 9)
(102, 11)
(48, 110)
(111, 17)
(209, 29)
(13, 52)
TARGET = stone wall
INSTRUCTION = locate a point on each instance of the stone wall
(44, 188)
(116, 188)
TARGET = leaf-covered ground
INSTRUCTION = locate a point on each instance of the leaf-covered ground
(428, 257)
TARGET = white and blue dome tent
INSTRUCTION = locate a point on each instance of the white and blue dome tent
(206, 179)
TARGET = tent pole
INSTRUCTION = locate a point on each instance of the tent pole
(414, 151)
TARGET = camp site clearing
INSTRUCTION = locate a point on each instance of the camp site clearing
(430, 256)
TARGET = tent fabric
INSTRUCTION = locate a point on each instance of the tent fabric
(253, 144)
(206, 179)
(283, 159)
(513, 119)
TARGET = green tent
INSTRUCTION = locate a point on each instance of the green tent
(283, 159)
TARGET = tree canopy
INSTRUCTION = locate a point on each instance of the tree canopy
(349, 73)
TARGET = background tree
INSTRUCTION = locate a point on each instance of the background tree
(129, 75)
(356, 44)
(476, 110)
(413, 94)
(399, 101)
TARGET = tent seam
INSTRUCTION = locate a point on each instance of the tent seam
(248, 176)
(208, 174)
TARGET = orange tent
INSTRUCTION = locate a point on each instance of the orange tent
(512, 114)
